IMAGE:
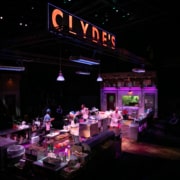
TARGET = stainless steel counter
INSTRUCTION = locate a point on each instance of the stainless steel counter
(88, 129)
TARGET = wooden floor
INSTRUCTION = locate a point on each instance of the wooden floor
(143, 148)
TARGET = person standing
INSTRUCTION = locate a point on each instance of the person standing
(116, 118)
(58, 123)
(84, 112)
(47, 121)
(125, 114)
(59, 111)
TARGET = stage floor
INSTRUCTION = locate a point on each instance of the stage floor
(144, 148)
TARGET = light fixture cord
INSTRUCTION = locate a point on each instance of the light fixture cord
(60, 59)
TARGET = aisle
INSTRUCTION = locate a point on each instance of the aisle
(125, 128)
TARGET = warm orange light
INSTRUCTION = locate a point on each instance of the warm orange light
(82, 29)
(71, 26)
(104, 38)
(95, 34)
(10, 82)
(55, 13)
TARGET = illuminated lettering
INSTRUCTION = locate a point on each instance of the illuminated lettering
(113, 39)
(79, 28)
(55, 13)
(71, 25)
(84, 28)
(95, 34)
(104, 38)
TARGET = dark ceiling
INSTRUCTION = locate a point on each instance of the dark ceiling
(146, 32)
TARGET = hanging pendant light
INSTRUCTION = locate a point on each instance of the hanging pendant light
(60, 76)
(141, 69)
(99, 78)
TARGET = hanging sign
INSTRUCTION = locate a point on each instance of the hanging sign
(68, 24)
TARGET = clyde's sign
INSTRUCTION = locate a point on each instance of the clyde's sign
(61, 21)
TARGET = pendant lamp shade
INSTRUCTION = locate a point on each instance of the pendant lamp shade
(60, 76)
(99, 78)
(141, 69)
